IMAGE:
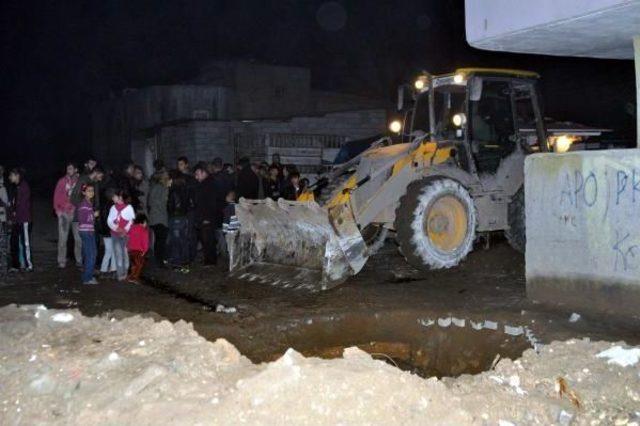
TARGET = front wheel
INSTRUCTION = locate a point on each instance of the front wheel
(435, 223)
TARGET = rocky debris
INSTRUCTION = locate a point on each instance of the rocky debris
(71, 369)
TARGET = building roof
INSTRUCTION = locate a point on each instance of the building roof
(500, 71)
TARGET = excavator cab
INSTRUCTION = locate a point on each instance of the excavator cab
(482, 112)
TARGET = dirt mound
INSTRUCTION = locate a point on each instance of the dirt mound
(61, 367)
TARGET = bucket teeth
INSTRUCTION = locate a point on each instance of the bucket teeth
(294, 245)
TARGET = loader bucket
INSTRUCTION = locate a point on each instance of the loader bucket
(292, 244)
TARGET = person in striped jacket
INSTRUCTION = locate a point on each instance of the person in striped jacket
(86, 229)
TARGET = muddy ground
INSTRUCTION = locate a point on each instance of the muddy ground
(463, 326)
(388, 304)
(59, 367)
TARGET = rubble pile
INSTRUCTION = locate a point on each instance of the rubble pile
(61, 367)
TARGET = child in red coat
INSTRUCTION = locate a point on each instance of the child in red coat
(137, 246)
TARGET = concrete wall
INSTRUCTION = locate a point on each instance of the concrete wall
(263, 91)
(205, 140)
(351, 124)
(583, 230)
(117, 122)
(227, 90)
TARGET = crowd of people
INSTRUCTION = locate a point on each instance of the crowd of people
(123, 216)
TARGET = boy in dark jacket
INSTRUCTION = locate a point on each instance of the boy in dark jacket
(273, 183)
(21, 218)
(293, 189)
(230, 221)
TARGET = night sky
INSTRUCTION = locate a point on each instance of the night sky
(60, 57)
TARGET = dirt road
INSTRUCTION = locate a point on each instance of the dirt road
(263, 322)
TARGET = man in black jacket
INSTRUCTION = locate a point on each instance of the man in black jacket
(179, 208)
(248, 181)
(207, 212)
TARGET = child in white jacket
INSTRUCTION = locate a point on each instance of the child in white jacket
(120, 219)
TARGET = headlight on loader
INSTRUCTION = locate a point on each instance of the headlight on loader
(458, 78)
(395, 126)
(459, 119)
(562, 143)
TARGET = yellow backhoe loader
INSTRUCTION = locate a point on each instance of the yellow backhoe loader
(459, 173)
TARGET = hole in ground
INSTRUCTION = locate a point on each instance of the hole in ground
(400, 340)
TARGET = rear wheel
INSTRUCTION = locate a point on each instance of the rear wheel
(516, 234)
(435, 223)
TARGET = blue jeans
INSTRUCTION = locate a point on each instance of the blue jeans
(89, 252)
(120, 255)
(178, 241)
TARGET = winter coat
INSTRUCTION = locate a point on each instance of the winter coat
(158, 195)
(208, 202)
(248, 184)
(224, 181)
(22, 203)
(180, 201)
(290, 192)
(62, 195)
(142, 194)
(76, 195)
(120, 218)
(273, 188)
(101, 225)
(138, 238)
(85, 217)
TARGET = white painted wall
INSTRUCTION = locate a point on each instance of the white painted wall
(583, 226)
(587, 28)
(490, 18)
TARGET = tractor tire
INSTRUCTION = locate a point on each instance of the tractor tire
(435, 223)
(374, 236)
(516, 234)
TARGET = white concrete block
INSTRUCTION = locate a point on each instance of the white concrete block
(583, 229)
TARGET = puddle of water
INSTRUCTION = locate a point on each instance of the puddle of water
(401, 341)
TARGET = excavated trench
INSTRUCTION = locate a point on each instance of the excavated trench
(444, 347)
(425, 343)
